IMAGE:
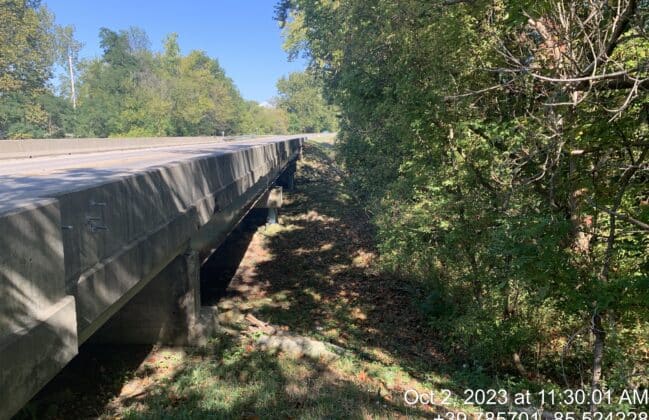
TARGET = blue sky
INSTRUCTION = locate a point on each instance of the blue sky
(241, 34)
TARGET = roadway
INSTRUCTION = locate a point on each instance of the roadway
(23, 181)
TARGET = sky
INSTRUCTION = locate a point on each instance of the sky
(241, 34)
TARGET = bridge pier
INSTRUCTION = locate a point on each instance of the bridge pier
(287, 178)
(271, 201)
(166, 311)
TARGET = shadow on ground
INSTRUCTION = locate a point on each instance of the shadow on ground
(219, 268)
(323, 266)
(88, 383)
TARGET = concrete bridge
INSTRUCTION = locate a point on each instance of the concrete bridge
(107, 245)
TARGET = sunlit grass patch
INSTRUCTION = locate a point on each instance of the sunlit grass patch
(277, 229)
(245, 382)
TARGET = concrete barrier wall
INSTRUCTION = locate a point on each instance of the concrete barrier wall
(21, 149)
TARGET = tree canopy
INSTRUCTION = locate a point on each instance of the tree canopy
(131, 89)
(502, 148)
(301, 96)
(26, 59)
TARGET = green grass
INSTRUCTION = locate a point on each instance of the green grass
(229, 380)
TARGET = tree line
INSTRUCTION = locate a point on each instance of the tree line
(501, 147)
(131, 90)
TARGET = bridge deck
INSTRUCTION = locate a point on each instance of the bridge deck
(82, 235)
(24, 180)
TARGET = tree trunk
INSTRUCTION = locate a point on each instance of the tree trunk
(598, 356)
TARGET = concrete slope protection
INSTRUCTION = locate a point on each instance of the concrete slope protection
(81, 235)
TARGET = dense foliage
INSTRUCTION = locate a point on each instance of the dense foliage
(502, 147)
(300, 95)
(131, 90)
(27, 54)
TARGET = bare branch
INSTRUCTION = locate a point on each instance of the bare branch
(452, 2)
(642, 225)
(476, 92)
(621, 25)
(614, 75)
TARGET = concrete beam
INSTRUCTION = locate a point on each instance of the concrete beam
(271, 201)
(32, 356)
(150, 218)
(287, 179)
(38, 329)
(32, 275)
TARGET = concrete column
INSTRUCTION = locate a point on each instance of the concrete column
(271, 201)
(287, 178)
(272, 217)
(166, 311)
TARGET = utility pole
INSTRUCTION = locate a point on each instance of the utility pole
(74, 95)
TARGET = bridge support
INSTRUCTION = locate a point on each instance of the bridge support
(166, 311)
(271, 201)
(287, 178)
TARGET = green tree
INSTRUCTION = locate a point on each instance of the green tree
(301, 96)
(132, 91)
(106, 83)
(128, 91)
(26, 60)
(258, 119)
(501, 146)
